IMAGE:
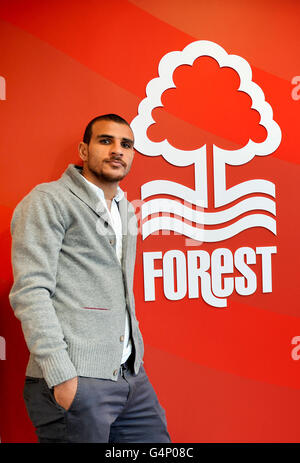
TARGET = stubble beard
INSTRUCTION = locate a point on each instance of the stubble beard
(107, 177)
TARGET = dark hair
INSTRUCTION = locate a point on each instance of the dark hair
(105, 117)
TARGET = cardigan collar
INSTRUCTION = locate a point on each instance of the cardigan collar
(73, 179)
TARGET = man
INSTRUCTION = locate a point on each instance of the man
(73, 256)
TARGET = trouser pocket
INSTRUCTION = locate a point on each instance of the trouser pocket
(74, 401)
(46, 415)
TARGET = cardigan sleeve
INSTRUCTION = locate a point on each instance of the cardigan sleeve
(38, 230)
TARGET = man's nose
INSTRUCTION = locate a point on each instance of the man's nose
(117, 148)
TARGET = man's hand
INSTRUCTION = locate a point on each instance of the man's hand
(64, 393)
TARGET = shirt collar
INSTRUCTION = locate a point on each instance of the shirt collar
(99, 191)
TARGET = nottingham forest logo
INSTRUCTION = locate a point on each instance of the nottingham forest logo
(211, 138)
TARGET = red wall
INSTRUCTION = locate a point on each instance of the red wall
(223, 375)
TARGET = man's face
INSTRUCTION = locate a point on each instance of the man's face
(109, 154)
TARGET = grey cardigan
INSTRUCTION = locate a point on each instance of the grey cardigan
(70, 291)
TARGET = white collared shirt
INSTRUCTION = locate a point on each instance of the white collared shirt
(116, 221)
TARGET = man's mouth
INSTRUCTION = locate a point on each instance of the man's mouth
(116, 162)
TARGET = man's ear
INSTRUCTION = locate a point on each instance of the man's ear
(83, 150)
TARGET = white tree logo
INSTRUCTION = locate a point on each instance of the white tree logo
(222, 195)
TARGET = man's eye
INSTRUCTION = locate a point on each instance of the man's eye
(126, 145)
(104, 141)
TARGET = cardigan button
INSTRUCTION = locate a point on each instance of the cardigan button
(105, 224)
(115, 372)
(121, 338)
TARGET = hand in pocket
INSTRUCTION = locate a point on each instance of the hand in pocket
(65, 392)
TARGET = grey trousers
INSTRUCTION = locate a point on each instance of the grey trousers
(122, 411)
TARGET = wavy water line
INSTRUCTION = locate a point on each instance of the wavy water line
(208, 236)
(166, 187)
(197, 198)
(207, 218)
